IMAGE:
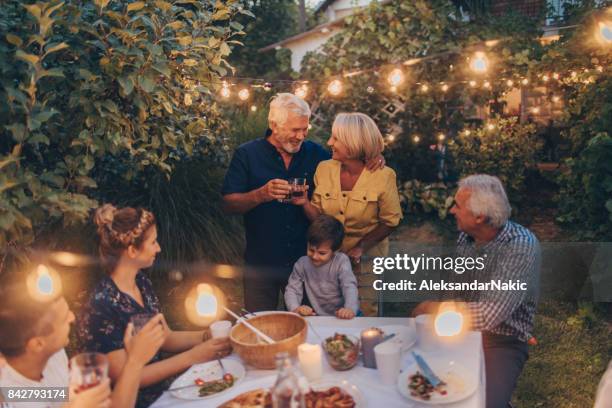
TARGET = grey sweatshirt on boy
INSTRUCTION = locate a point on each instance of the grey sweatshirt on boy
(329, 287)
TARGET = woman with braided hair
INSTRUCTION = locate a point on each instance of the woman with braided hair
(128, 244)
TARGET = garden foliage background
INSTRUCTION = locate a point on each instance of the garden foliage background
(116, 101)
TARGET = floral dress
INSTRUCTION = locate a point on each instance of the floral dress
(101, 327)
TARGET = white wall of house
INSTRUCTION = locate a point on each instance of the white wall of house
(301, 46)
(343, 8)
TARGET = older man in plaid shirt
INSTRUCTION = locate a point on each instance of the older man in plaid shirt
(510, 253)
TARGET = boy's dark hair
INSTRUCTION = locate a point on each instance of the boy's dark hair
(326, 229)
(21, 318)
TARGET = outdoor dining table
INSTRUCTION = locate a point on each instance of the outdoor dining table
(468, 353)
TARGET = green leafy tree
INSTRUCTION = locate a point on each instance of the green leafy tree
(88, 82)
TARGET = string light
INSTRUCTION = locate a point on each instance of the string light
(545, 78)
(393, 89)
(535, 110)
(267, 87)
(302, 91)
(599, 68)
(573, 74)
(555, 75)
(244, 94)
(441, 137)
(335, 87)
(253, 108)
(424, 88)
(490, 126)
(225, 92)
(370, 89)
(390, 138)
(486, 84)
(479, 63)
(467, 132)
(396, 77)
(444, 87)
(555, 99)
(605, 32)
(525, 81)
(509, 82)
(473, 83)
(416, 139)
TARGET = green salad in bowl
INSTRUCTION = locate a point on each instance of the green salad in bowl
(342, 351)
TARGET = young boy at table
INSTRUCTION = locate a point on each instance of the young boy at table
(324, 273)
(33, 334)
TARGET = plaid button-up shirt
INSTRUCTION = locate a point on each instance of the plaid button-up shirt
(513, 255)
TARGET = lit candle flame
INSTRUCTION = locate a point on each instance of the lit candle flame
(449, 323)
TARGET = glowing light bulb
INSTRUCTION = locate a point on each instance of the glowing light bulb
(441, 137)
(444, 87)
(335, 87)
(301, 92)
(370, 89)
(206, 302)
(244, 94)
(490, 126)
(391, 138)
(510, 82)
(253, 108)
(416, 139)
(467, 132)
(555, 99)
(535, 110)
(555, 75)
(487, 84)
(545, 78)
(472, 83)
(448, 323)
(573, 74)
(605, 31)
(225, 92)
(525, 81)
(267, 87)
(396, 77)
(479, 62)
(44, 283)
(424, 88)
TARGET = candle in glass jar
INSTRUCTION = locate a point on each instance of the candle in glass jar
(370, 339)
(311, 364)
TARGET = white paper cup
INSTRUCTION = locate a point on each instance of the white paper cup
(425, 332)
(220, 329)
(388, 359)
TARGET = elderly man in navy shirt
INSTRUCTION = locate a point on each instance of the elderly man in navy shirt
(256, 180)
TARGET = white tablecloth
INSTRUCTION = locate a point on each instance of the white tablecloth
(468, 353)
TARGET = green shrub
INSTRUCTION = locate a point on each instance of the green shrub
(82, 81)
(506, 151)
(418, 198)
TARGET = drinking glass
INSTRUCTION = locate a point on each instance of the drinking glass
(88, 370)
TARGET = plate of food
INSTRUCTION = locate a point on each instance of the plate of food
(342, 351)
(403, 335)
(457, 383)
(257, 398)
(207, 380)
(336, 394)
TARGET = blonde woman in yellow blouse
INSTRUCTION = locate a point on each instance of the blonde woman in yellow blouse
(366, 202)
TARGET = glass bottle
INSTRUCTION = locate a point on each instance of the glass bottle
(287, 392)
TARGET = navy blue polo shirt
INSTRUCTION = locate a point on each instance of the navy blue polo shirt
(275, 232)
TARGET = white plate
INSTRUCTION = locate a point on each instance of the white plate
(404, 335)
(350, 389)
(207, 372)
(461, 383)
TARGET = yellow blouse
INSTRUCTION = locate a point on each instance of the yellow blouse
(373, 200)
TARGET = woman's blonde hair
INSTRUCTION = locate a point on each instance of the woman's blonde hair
(359, 133)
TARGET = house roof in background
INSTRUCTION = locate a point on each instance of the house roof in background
(322, 6)
(318, 29)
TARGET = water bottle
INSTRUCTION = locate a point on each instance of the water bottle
(287, 392)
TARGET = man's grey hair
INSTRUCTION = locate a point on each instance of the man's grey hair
(283, 103)
(487, 198)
